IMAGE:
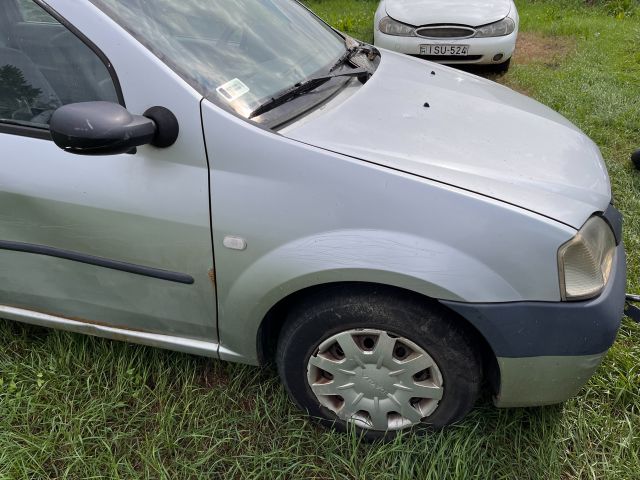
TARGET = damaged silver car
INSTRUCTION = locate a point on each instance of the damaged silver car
(241, 181)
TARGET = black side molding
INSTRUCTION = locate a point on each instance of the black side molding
(98, 261)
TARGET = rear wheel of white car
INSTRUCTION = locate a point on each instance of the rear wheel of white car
(381, 361)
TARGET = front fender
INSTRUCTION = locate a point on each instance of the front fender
(310, 216)
(373, 256)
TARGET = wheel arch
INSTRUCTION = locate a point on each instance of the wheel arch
(271, 325)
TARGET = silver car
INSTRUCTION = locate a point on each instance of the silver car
(238, 180)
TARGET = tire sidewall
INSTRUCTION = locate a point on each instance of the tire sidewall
(452, 351)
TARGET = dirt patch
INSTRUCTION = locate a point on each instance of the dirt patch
(247, 404)
(211, 377)
(509, 82)
(547, 50)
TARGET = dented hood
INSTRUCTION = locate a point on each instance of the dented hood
(461, 12)
(475, 134)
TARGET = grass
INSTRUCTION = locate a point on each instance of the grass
(78, 407)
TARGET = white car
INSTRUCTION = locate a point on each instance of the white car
(449, 31)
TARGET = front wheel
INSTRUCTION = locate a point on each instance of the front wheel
(379, 362)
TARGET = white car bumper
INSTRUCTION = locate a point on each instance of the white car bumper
(481, 50)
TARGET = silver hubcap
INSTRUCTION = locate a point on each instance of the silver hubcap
(375, 379)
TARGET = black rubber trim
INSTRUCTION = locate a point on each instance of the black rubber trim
(100, 54)
(614, 218)
(536, 329)
(24, 131)
(97, 261)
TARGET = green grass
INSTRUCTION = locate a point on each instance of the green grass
(79, 407)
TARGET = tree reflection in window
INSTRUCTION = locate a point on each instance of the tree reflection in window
(17, 96)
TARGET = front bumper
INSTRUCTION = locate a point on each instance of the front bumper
(547, 351)
(481, 50)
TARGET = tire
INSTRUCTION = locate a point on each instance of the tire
(501, 67)
(407, 333)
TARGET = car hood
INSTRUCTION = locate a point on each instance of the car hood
(463, 12)
(475, 134)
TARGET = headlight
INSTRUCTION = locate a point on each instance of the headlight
(506, 26)
(585, 261)
(391, 27)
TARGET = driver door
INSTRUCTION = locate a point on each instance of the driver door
(122, 241)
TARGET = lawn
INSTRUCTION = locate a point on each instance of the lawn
(79, 407)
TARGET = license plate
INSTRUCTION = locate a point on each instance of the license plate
(442, 49)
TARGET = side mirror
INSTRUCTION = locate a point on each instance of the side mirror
(104, 128)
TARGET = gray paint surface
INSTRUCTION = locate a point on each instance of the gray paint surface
(543, 380)
(475, 134)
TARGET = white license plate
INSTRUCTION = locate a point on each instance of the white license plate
(442, 49)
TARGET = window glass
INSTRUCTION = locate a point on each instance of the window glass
(44, 66)
(238, 51)
(31, 12)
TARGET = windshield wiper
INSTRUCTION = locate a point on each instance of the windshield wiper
(354, 47)
(345, 57)
(305, 87)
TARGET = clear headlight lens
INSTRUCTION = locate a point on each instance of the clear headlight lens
(391, 27)
(586, 260)
(506, 26)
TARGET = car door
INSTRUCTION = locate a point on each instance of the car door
(121, 241)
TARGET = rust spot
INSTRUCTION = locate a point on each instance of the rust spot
(103, 324)
(80, 319)
(212, 277)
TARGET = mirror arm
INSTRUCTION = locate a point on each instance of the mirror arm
(166, 124)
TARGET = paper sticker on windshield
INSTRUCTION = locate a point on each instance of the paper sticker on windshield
(232, 90)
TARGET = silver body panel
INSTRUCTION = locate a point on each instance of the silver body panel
(346, 194)
(311, 216)
(543, 380)
(180, 344)
(474, 134)
(149, 209)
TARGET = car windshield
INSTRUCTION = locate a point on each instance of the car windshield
(240, 51)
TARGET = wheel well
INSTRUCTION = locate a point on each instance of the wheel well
(273, 322)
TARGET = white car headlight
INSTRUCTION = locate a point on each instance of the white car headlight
(586, 260)
(392, 27)
(506, 26)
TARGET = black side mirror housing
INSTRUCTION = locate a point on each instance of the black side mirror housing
(104, 128)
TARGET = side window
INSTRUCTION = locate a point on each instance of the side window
(31, 12)
(44, 66)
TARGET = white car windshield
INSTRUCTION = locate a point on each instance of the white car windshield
(240, 51)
